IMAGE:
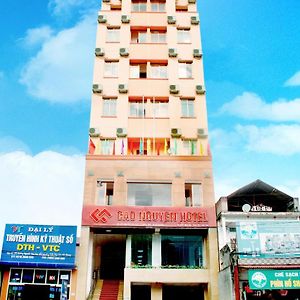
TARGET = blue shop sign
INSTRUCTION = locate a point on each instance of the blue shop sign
(39, 245)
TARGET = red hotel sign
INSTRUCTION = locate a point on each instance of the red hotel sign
(146, 216)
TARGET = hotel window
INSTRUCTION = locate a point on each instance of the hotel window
(109, 107)
(138, 36)
(183, 36)
(149, 194)
(185, 69)
(138, 70)
(139, 6)
(182, 250)
(158, 36)
(190, 147)
(158, 71)
(187, 108)
(111, 68)
(158, 6)
(107, 146)
(160, 108)
(105, 192)
(193, 194)
(136, 108)
(113, 35)
(141, 248)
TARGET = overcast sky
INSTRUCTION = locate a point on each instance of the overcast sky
(252, 74)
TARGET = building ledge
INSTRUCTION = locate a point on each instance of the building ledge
(149, 157)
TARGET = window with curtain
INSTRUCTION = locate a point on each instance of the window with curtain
(158, 36)
(111, 68)
(107, 146)
(190, 147)
(183, 36)
(113, 35)
(158, 71)
(187, 108)
(136, 109)
(139, 6)
(179, 250)
(160, 108)
(157, 6)
(109, 107)
(185, 70)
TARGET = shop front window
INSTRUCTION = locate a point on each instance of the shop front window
(141, 249)
(182, 251)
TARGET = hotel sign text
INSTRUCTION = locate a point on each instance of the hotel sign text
(141, 216)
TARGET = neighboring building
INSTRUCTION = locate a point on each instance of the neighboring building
(38, 262)
(259, 243)
(148, 222)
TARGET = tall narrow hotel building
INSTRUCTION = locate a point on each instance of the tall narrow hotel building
(148, 221)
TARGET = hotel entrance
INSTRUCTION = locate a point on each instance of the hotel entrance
(113, 260)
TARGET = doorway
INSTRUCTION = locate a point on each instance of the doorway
(113, 260)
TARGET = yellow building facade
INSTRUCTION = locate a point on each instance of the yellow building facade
(148, 221)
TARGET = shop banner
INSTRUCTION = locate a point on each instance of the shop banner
(147, 216)
(39, 244)
(274, 279)
(268, 239)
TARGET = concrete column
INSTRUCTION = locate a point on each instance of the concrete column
(156, 250)
(128, 252)
(213, 265)
(156, 291)
(83, 264)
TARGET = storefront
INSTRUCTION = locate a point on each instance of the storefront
(269, 259)
(39, 262)
(272, 284)
(151, 252)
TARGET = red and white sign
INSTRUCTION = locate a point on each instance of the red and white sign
(146, 216)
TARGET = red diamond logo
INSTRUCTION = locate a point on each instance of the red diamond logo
(100, 215)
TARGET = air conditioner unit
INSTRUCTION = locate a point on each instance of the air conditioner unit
(97, 88)
(192, 1)
(94, 132)
(176, 132)
(106, 1)
(171, 20)
(124, 51)
(125, 19)
(200, 89)
(197, 53)
(172, 52)
(201, 133)
(195, 20)
(121, 132)
(102, 19)
(174, 89)
(99, 52)
(123, 88)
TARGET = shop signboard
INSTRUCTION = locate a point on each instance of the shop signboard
(268, 239)
(146, 216)
(274, 279)
(39, 244)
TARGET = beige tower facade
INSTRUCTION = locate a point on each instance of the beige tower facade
(148, 220)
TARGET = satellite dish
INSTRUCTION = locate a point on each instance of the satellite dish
(246, 208)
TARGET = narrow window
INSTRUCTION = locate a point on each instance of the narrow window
(111, 69)
(185, 70)
(187, 108)
(113, 35)
(109, 107)
(183, 36)
(105, 192)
